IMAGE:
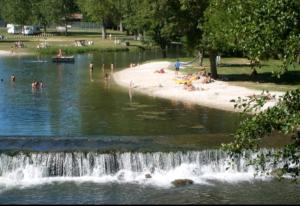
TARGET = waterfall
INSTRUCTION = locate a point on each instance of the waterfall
(163, 167)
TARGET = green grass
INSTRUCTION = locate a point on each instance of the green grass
(236, 71)
(66, 43)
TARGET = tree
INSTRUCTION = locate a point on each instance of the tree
(135, 20)
(260, 28)
(160, 20)
(42, 13)
(218, 31)
(16, 12)
(191, 21)
(283, 118)
(97, 11)
(61, 11)
(264, 28)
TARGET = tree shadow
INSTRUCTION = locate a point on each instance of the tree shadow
(288, 78)
(240, 65)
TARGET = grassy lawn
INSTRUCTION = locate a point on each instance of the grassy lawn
(237, 71)
(66, 43)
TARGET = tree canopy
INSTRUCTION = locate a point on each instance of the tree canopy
(97, 11)
(262, 29)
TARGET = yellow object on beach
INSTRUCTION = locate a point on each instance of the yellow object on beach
(183, 81)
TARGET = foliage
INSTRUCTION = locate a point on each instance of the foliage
(191, 20)
(40, 12)
(97, 11)
(283, 118)
(218, 27)
(17, 12)
(260, 28)
(160, 20)
(134, 16)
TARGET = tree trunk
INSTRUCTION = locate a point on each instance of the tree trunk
(213, 64)
(201, 53)
(164, 50)
(45, 29)
(66, 27)
(164, 53)
(121, 26)
(103, 31)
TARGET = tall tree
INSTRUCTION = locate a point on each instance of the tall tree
(42, 13)
(97, 11)
(135, 20)
(61, 11)
(17, 12)
(261, 28)
(160, 21)
(218, 35)
(191, 21)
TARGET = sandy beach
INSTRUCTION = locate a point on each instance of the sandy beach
(217, 94)
(8, 53)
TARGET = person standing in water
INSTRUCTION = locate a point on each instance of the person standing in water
(13, 78)
(91, 67)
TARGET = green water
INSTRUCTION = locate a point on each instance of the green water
(77, 103)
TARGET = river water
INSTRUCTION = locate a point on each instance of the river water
(81, 139)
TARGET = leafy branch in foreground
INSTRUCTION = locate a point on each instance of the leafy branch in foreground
(283, 118)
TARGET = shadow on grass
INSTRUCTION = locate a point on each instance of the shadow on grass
(289, 78)
(82, 33)
(237, 65)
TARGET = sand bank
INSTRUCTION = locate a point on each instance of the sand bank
(217, 94)
(4, 53)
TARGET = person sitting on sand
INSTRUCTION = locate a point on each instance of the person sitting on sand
(189, 86)
(161, 71)
(207, 79)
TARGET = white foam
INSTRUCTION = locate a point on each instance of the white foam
(200, 167)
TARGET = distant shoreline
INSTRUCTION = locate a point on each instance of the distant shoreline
(216, 95)
(8, 53)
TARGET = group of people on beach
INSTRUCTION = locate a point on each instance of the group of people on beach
(187, 79)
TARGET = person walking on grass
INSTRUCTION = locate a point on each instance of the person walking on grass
(177, 67)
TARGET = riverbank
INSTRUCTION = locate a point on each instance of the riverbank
(218, 94)
(4, 53)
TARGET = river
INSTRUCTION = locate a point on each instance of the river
(81, 139)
